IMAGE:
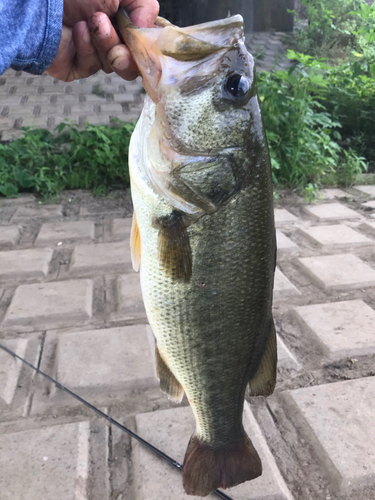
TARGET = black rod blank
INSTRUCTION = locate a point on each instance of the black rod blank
(145, 443)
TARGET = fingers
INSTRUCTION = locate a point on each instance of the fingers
(122, 62)
(81, 10)
(104, 37)
(62, 64)
(113, 55)
(80, 55)
(142, 13)
(86, 61)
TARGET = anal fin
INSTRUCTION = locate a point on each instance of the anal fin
(264, 381)
(135, 244)
(168, 382)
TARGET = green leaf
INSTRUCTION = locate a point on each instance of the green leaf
(9, 190)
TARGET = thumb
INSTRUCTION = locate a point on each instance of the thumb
(142, 13)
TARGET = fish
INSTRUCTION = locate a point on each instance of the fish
(203, 235)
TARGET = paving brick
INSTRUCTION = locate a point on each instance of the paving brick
(82, 109)
(97, 119)
(10, 369)
(129, 297)
(283, 217)
(50, 463)
(370, 190)
(131, 115)
(42, 212)
(37, 99)
(54, 304)
(104, 257)
(124, 97)
(111, 107)
(335, 236)
(369, 204)
(170, 431)
(285, 359)
(96, 99)
(19, 111)
(96, 212)
(339, 420)
(9, 235)
(22, 199)
(341, 329)
(283, 287)
(369, 225)
(120, 229)
(22, 264)
(16, 379)
(285, 244)
(337, 272)
(34, 121)
(331, 194)
(114, 359)
(331, 212)
(75, 231)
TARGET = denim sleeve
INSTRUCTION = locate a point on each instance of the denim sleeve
(30, 32)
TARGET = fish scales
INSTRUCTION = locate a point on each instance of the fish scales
(213, 324)
(215, 316)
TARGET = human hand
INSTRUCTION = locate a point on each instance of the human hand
(89, 42)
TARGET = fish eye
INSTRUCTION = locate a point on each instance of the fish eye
(237, 86)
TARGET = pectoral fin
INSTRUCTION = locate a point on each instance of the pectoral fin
(135, 244)
(174, 246)
(264, 381)
(168, 382)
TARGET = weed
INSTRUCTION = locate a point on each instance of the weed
(44, 162)
(330, 27)
(304, 136)
(311, 193)
(350, 168)
(98, 90)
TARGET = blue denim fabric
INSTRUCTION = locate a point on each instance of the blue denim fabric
(30, 32)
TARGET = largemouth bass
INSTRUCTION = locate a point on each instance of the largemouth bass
(203, 235)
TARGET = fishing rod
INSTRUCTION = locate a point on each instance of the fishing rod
(145, 443)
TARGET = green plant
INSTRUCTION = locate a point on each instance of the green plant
(312, 192)
(98, 90)
(344, 32)
(350, 168)
(298, 127)
(93, 158)
(366, 33)
(304, 135)
(332, 27)
(349, 96)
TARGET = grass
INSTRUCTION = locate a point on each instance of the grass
(46, 163)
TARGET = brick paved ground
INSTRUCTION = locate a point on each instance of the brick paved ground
(70, 303)
(41, 101)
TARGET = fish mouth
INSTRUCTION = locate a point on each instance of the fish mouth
(151, 46)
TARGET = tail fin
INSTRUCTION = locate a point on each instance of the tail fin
(207, 468)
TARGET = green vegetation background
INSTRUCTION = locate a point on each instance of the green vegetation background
(319, 117)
